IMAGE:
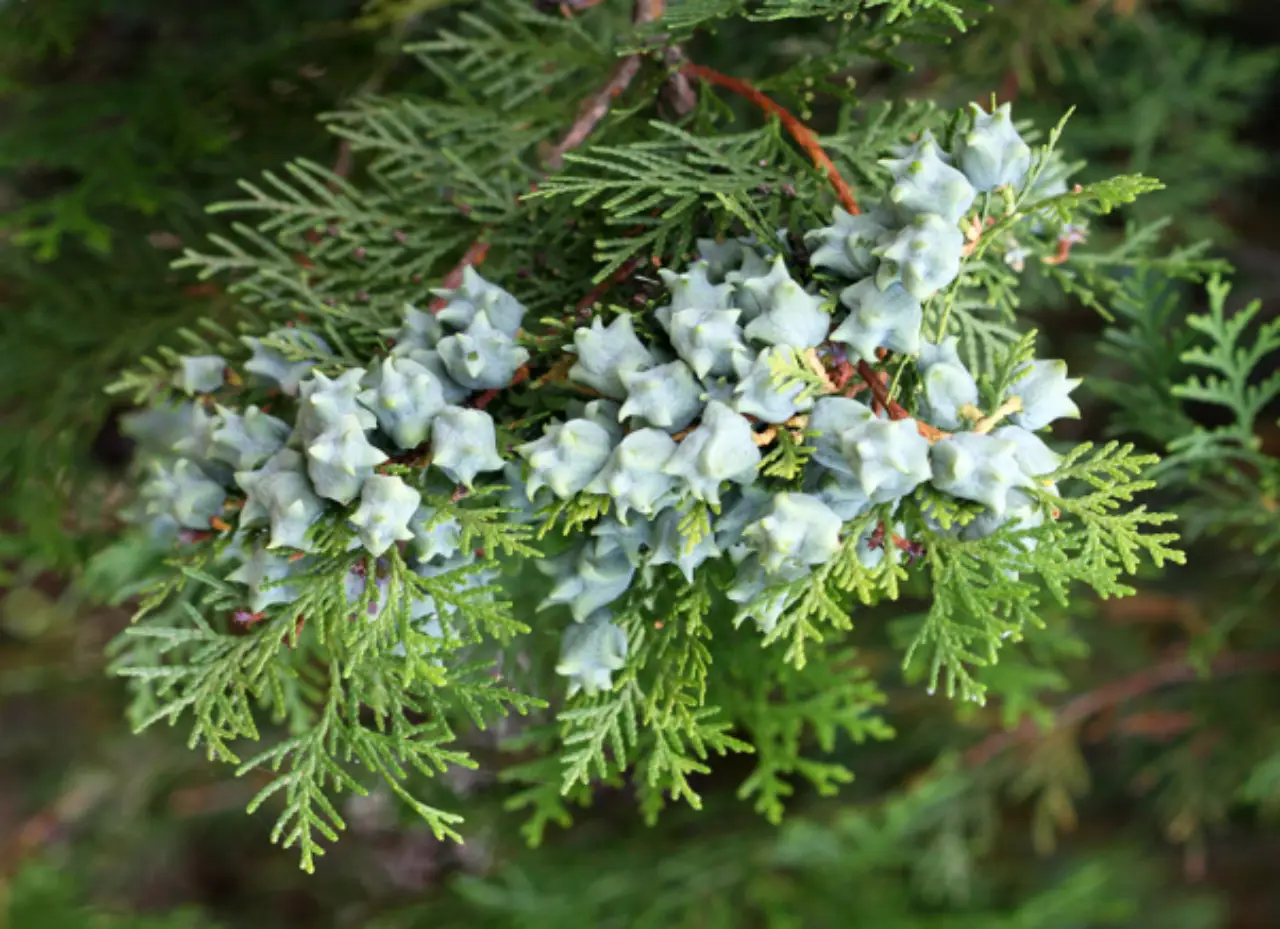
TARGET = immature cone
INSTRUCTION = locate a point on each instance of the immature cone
(709, 341)
(633, 475)
(830, 419)
(405, 397)
(324, 404)
(992, 153)
(668, 396)
(606, 352)
(1045, 394)
(887, 318)
(845, 247)
(432, 537)
(195, 440)
(184, 492)
(271, 365)
(387, 504)
(464, 443)
(341, 459)
(254, 511)
(754, 265)
(752, 581)
(291, 506)
(604, 413)
(799, 529)
(635, 539)
(758, 394)
(947, 385)
(159, 429)
(925, 184)
(977, 467)
(567, 457)
(261, 572)
(721, 258)
(417, 330)
(786, 314)
(475, 295)
(1034, 457)
(844, 498)
(244, 442)
(671, 546)
(200, 374)
(589, 577)
(589, 654)
(889, 458)
(522, 506)
(430, 359)
(691, 290)
(1020, 511)
(753, 287)
(742, 507)
(722, 448)
(924, 256)
(482, 357)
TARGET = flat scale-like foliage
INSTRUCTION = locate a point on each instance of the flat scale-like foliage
(563, 483)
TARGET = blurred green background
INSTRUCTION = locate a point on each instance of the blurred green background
(121, 119)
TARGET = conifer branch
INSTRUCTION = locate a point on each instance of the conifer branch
(645, 11)
(803, 135)
(597, 107)
(342, 164)
(1116, 692)
(714, 423)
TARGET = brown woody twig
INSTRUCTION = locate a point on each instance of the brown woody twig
(678, 90)
(803, 135)
(896, 410)
(598, 104)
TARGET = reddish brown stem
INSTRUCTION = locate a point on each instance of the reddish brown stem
(1009, 86)
(896, 410)
(1062, 254)
(521, 375)
(803, 135)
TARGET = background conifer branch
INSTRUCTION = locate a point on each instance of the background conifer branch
(1116, 692)
(371, 85)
